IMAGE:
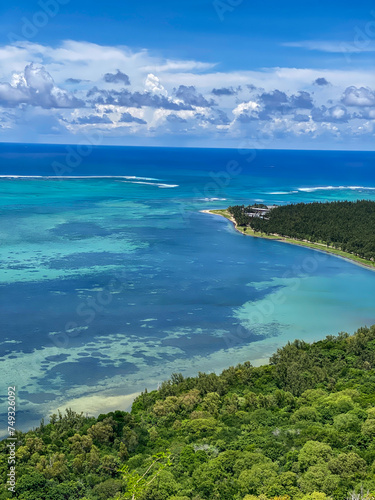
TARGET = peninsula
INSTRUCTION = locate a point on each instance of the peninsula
(342, 228)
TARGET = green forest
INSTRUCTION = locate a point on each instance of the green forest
(300, 427)
(345, 225)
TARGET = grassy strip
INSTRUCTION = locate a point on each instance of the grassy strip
(315, 246)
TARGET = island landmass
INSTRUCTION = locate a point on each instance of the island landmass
(342, 228)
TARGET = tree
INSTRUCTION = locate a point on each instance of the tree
(107, 489)
(368, 427)
(258, 479)
(314, 452)
(136, 483)
(81, 444)
(101, 432)
(348, 465)
(318, 478)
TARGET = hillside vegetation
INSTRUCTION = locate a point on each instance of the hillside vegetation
(302, 427)
(345, 225)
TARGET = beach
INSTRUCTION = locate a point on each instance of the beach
(320, 247)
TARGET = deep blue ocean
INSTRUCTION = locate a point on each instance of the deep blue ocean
(112, 279)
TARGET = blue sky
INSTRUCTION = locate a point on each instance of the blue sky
(195, 73)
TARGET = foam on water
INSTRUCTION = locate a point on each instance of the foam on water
(159, 185)
(335, 188)
(212, 199)
(283, 192)
(70, 177)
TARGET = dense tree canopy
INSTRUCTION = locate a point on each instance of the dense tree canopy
(345, 225)
(301, 427)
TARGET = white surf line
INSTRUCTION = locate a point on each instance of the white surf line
(334, 188)
(77, 177)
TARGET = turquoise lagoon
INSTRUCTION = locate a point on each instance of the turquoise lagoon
(112, 278)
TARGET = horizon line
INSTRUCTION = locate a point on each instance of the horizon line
(15, 143)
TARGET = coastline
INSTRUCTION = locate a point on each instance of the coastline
(309, 244)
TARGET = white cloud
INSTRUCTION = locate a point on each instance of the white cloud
(152, 83)
(332, 46)
(285, 79)
(90, 61)
(171, 66)
(36, 87)
(244, 107)
(362, 96)
(170, 96)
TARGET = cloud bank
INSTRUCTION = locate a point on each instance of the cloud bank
(136, 97)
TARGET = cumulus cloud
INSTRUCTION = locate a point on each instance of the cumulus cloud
(117, 77)
(152, 83)
(75, 81)
(362, 96)
(246, 111)
(220, 118)
(173, 95)
(93, 120)
(172, 118)
(273, 102)
(129, 118)
(190, 96)
(134, 99)
(321, 82)
(365, 114)
(334, 114)
(278, 101)
(302, 100)
(36, 87)
(274, 99)
(217, 118)
(245, 107)
(224, 91)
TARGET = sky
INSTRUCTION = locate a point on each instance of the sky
(216, 73)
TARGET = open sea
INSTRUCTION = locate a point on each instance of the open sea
(112, 279)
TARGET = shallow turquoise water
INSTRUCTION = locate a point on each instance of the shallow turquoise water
(111, 284)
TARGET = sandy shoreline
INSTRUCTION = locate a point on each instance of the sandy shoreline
(282, 239)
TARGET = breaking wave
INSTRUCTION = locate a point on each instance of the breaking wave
(335, 188)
